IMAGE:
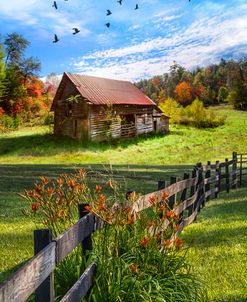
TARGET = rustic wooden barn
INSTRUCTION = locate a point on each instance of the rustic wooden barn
(92, 108)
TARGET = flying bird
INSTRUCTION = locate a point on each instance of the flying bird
(108, 12)
(76, 31)
(55, 39)
(54, 4)
(120, 2)
(137, 6)
(108, 24)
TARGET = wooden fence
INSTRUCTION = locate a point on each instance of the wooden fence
(187, 197)
(242, 163)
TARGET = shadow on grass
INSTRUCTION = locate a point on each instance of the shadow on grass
(223, 216)
(16, 177)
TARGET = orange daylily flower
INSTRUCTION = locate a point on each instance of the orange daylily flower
(82, 172)
(89, 208)
(131, 219)
(153, 199)
(72, 183)
(31, 193)
(150, 223)
(159, 237)
(35, 207)
(49, 191)
(144, 242)
(98, 188)
(179, 243)
(60, 182)
(110, 184)
(171, 214)
(44, 180)
(38, 188)
(164, 195)
(167, 243)
(102, 198)
(177, 227)
(134, 268)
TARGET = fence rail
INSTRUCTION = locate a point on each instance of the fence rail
(187, 197)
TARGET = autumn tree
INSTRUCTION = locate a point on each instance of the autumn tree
(183, 93)
(2, 72)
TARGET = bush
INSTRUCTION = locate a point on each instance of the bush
(200, 117)
(172, 109)
(8, 122)
(194, 114)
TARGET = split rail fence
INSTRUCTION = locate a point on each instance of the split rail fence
(187, 197)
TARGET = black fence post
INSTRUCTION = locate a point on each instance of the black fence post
(45, 292)
(200, 185)
(184, 192)
(217, 175)
(161, 184)
(172, 199)
(192, 191)
(227, 175)
(208, 175)
(86, 244)
(241, 169)
(234, 170)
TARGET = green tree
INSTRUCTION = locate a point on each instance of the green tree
(238, 95)
(15, 46)
(29, 68)
(222, 94)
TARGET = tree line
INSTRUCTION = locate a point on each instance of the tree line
(216, 83)
(23, 96)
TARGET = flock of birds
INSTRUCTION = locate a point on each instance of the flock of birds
(76, 30)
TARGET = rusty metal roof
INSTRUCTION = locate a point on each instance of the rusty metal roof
(101, 91)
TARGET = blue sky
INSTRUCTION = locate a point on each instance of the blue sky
(138, 44)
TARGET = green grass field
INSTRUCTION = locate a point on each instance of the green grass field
(184, 145)
(217, 239)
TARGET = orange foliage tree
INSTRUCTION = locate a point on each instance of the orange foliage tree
(183, 92)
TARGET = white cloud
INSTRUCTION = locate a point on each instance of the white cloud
(201, 43)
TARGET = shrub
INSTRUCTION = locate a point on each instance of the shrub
(172, 109)
(8, 122)
(200, 117)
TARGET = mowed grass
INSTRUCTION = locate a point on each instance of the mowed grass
(184, 145)
(217, 239)
(218, 247)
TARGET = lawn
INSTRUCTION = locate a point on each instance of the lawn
(218, 245)
(217, 240)
(184, 145)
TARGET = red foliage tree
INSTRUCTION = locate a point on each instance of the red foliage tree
(183, 92)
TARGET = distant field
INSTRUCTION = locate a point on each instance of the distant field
(184, 145)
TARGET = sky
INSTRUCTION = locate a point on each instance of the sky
(138, 44)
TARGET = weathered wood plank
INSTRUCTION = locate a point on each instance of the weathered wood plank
(22, 283)
(81, 287)
(69, 239)
(143, 201)
(211, 179)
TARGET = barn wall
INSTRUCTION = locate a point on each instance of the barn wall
(144, 123)
(71, 118)
(127, 121)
